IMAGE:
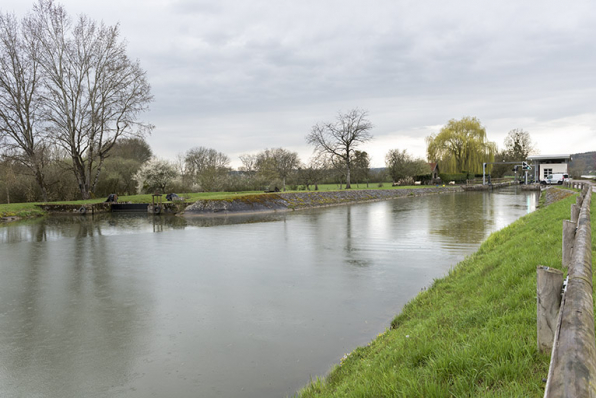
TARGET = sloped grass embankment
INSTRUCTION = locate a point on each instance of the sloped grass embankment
(473, 333)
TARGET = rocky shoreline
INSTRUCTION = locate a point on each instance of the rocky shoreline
(278, 202)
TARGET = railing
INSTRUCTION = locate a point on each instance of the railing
(569, 329)
(575, 184)
(478, 181)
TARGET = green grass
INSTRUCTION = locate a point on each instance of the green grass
(25, 210)
(473, 333)
(22, 210)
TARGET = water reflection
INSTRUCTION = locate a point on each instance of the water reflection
(62, 304)
(468, 218)
(107, 224)
(251, 306)
(464, 219)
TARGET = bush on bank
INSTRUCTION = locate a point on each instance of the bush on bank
(459, 177)
(473, 333)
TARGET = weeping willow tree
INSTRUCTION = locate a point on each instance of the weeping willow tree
(460, 146)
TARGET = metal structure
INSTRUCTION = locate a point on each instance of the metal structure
(156, 203)
(129, 207)
(525, 166)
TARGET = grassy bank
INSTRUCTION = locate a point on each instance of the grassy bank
(26, 210)
(473, 333)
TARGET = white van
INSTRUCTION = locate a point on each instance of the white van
(557, 178)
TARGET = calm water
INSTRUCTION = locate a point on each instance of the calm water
(140, 306)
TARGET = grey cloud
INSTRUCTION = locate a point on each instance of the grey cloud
(185, 7)
(249, 75)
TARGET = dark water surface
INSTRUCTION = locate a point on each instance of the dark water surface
(141, 306)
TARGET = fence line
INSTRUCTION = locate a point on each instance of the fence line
(572, 371)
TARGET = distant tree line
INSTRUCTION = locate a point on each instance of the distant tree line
(131, 167)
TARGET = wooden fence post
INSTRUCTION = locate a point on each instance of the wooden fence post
(575, 213)
(569, 228)
(549, 282)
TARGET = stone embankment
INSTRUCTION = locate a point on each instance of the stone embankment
(553, 194)
(486, 187)
(304, 200)
(93, 208)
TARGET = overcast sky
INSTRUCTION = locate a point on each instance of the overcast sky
(241, 76)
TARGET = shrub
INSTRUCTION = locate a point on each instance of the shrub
(424, 178)
(457, 177)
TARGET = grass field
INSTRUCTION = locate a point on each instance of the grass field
(473, 333)
(26, 210)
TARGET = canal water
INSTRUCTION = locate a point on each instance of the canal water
(142, 306)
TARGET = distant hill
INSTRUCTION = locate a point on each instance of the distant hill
(582, 163)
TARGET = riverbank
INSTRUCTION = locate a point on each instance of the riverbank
(472, 333)
(287, 201)
(552, 195)
(220, 201)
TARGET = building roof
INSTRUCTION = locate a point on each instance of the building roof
(549, 157)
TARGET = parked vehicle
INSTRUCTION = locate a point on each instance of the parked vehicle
(565, 177)
(557, 178)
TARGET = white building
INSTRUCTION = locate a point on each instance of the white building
(543, 165)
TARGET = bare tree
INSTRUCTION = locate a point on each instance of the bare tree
(7, 177)
(341, 138)
(313, 172)
(207, 166)
(93, 93)
(277, 163)
(518, 144)
(20, 102)
(249, 163)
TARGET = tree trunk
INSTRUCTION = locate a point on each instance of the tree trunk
(79, 172)
(348, 186)
(96, 179)
(39, 178)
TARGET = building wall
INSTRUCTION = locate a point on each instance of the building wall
(551, 168)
